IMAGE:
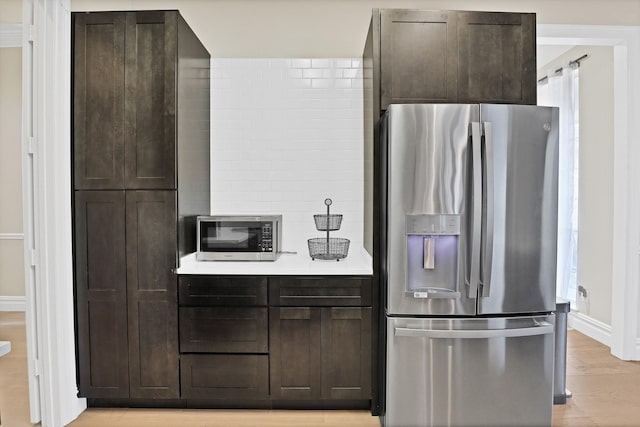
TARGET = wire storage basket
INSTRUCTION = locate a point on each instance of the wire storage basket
(327, 222)
(331, 248)
(328, 248)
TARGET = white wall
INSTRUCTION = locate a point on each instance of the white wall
(337, 29)
(286, 135)
(595, 176)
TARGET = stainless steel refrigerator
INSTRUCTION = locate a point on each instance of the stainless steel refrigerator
(469, 225)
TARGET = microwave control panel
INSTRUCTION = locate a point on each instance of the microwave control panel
(267, 237)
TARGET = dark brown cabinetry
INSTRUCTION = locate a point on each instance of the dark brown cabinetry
(267, 341)
(320, 338)
(451, 56)
(124, 100)
(229, 378)
(224, 334)
(126, 293)
(151, 294)
(418, 57)
(101, 293)
(497, 57)
(133, 73)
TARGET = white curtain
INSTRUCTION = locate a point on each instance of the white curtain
(561, 90)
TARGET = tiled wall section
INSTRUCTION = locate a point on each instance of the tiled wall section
(286, 135)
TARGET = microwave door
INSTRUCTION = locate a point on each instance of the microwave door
(230, 237)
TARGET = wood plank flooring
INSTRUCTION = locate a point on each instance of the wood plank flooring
(606, 392)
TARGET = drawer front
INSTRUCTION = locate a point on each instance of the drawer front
(320, 291)
(224, 291)
(224, 376)
(224, 330)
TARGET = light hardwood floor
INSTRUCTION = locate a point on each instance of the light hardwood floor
(606, 392)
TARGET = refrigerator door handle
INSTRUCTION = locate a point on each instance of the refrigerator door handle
(542, 328)
(488, 202)
(476, 209)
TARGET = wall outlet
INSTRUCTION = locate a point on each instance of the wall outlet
(582, 291)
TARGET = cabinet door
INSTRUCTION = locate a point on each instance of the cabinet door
(98, 100)
(295, 362)
(150, 100)
(418, 57)
(346, 353)
(101, 296)
(497, 60)
(152, 294)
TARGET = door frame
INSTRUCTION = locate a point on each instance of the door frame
(46, 168)
(622, 335)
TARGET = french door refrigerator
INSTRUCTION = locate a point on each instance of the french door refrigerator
(469, 225)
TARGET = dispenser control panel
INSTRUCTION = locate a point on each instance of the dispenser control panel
(433, 224)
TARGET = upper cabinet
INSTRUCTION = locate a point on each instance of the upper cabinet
(497, 57)
(419, 56)
(98, 100)
(124, 89)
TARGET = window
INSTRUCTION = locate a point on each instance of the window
(561, 90)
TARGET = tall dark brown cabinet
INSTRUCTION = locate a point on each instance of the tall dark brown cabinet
(140, 175)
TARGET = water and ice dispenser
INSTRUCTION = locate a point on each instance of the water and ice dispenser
(432, 256)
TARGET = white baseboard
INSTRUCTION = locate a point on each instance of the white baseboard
(13, 303)
(591, 327)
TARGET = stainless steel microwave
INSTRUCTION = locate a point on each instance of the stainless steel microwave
(238, 237)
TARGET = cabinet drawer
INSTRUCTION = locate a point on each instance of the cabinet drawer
(224, 330)
(320, 291)
(224, 291)
(224, 376)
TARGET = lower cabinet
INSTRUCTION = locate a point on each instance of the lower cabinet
(346, 353)
(126, 296)
(224, 339)
(224, 329)
(320, 353)
(215, 341)
(224, 376)
(295, 339)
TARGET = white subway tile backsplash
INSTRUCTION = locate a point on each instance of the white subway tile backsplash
(316, 73)
(342, 63)
(295, 73)
(350, 73)
(286, 134)
(320, 63)
(343, 83)
(320, 83)
(300, 63)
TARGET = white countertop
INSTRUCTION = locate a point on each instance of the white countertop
(5, 347)
(358, 262)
